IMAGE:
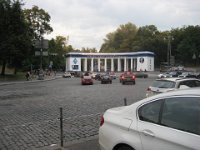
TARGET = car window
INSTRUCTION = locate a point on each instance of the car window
(150, 112)
(182, 114)
(190, 83)
(163, 84)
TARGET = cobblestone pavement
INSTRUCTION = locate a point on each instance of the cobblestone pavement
(29, 112)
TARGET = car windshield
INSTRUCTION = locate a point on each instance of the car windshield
(172, 73)
(185, 73)
(163, 84)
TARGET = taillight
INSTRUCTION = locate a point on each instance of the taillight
(102, 121)
(123, 77)
(133, 77)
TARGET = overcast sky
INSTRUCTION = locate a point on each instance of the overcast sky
(87, 22)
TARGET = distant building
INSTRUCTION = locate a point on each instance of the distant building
(102, 62)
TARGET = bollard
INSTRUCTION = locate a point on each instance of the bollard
(61, 127)
(125, 102)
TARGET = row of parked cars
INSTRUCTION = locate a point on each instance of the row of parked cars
(181, 74)
(167, 119)
(87, 77)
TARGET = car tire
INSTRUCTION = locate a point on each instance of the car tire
(110, 82)
(123, 83)
(124, 147)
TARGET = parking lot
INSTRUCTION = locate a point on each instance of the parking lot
(30, 111)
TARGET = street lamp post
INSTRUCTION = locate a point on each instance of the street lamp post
(169, 49)
(41, 53)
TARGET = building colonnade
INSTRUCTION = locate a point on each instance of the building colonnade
(102, 62)
(109, 64)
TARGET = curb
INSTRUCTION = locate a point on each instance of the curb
(68, 144)
(31, 81)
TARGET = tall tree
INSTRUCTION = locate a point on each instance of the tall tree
(38, 20)
(121, 39)
(14, 35)
(39, 23)
(57, 50)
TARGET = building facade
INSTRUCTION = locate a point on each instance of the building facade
(102, 62)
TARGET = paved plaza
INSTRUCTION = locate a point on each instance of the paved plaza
(29, 112)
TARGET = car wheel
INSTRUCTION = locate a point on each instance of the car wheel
(123, 83)
(133, 82)
(124, 147)
(110, 82)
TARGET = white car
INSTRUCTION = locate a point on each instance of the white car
(171, 84)
(168, 121)
(67, 75)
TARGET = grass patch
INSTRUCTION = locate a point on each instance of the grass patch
(20, 76)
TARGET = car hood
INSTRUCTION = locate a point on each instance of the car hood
(161, 90)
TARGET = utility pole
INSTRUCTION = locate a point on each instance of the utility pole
(169, 49)
(41, 52)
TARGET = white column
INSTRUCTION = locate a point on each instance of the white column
(85, 64)
(105, 64)
(135, 63)
(127, 64)
(131, 64)
(112, 64)
(98, 64)
(125, 69)
(92, 64)
(118, 65)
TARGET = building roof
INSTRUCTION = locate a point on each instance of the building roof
(126, 54)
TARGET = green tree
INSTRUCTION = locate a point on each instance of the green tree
(14, 35)
(184, 44)
(120, 40)
(88, 50)
(38, 20)
(188, 44)
(57, 50)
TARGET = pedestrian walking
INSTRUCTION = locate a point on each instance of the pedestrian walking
(28, 76)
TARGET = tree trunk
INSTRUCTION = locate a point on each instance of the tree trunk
(3, 67)
(15, 71)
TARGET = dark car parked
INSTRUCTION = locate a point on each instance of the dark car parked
(106, 78)
(97, 76)
(187, 75)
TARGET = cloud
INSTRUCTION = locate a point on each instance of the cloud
(87, 22)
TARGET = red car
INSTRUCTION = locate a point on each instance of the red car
(120, 77)
(86, 79)
(127, 77)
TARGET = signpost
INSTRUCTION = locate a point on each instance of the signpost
(41, 44)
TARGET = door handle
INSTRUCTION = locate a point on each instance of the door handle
(148, 133)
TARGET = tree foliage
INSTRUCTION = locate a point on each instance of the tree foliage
(38, 20)
(14, 34)
(120, 40)
(57, 49)
(128, 38)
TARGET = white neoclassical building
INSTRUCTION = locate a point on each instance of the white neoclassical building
(102, 62)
